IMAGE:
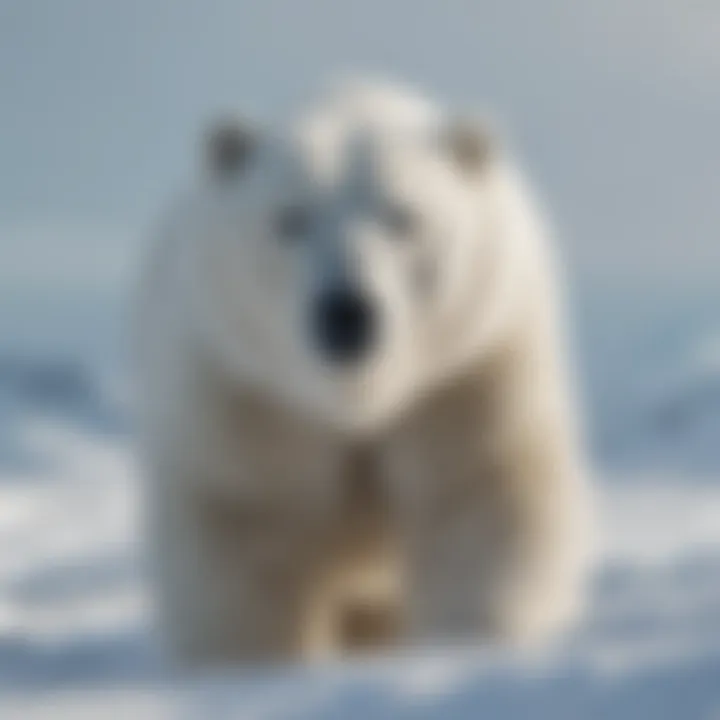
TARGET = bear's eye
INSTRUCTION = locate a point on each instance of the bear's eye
(292, 222)
(400, 220)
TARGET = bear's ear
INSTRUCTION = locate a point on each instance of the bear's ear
(229, 145)
(470, 142)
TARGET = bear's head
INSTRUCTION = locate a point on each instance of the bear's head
(351, 260)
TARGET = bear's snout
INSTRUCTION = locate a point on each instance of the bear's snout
(344, 325)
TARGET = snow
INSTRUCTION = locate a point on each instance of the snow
(75, 616)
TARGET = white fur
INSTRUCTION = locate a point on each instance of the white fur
(232, 392)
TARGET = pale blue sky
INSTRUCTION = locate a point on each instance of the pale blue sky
(614, 104)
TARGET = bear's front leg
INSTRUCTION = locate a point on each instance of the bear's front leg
(229, 578)
(495, 507)
(493, 566)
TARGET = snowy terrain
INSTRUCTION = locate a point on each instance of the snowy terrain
(74, 612)
(614, 105)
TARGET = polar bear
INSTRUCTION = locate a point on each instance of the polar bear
(355, 410)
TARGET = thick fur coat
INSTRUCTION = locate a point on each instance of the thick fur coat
(434, 491)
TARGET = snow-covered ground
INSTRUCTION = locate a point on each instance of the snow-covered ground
(75, 636)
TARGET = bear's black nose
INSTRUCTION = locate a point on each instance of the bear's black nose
(344, 325)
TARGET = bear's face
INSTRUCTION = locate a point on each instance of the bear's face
(339, 259)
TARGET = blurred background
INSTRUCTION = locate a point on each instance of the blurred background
(614, 107)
